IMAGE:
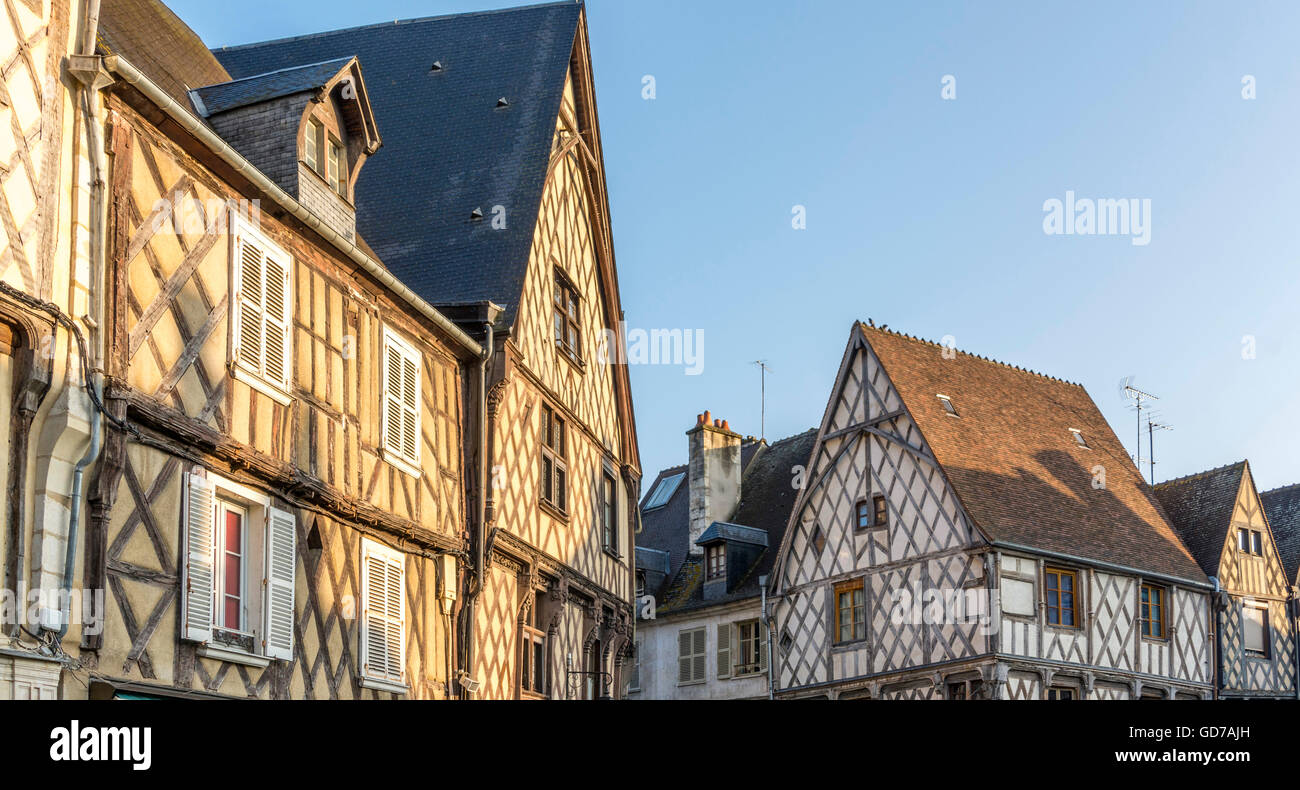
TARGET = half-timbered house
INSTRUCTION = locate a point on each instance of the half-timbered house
(709, 533)
(279, 506)
(1222, 520)
(973, 529)
(489, 200)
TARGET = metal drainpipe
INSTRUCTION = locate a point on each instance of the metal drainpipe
(485, 487)
(96, 225)
(1218, 646)
(771, 683)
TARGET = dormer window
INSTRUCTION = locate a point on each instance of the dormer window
(715, 561)
(311, 146)
(336, 168)
(948, 408)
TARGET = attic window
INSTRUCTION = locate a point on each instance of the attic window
(664, 491)
(1078, 438)
(501, 102)
(436, 67)
(947, 406)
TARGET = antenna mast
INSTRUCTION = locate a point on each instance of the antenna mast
(1139, 397)
(1152, 427)
(762, 376)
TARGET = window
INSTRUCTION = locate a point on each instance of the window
(1255, 628)
(1243, 540)
(238, 576)
(966, 689)
(1060, 692)
(383, 617)
(555, 473)
(609, 512)
(311, 145)
(634, 675)
(568, 331)
(1078, 438)
(1060, 597)
(957, 691)
(880, 511)
(751, 657)
(401, 398)
(336, 173)
(260, 339)
(664, 491)
(1257, 543)
(690, 656)
(1153, 611)
(532, 659)
(850, 612)
(715, 561)
(948, 408)
(640, 583)
(862, 514)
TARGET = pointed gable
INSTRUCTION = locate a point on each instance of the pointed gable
(1012, 456)
(1201, 506)
(451, 147)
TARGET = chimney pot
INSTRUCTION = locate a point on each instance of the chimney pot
(708, 417)
(725, 426)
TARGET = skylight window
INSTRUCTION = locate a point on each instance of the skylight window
(1078, 438)
(948, 407)
(664, 491)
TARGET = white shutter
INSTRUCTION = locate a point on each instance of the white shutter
(410, 409)
(392, 399)
(196, 587)
(275, 338)
(383, 637)
(401, 399)
(249, 297)
(724, 650)
(280, 564)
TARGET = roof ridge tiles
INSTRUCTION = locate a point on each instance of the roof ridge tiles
(991, 360)
(1287, 487)
(1202, 473)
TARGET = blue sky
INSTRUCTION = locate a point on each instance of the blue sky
(927, 214)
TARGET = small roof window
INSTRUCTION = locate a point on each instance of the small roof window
(664, 491)
(1078, 438)
(947, 406)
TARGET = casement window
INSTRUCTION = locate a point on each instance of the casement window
(1153, 611)
(568, 329)
(948, 408)
(555, 471)
(262, 308)
(532, 661)
(1060, 587)
(1254, 622)
(1078, 438)
(751, 648)
(336, 168)
(965, 689)
(880, 511)
(715, 561)
(1243, 541)
(238, 578)
(691, 656)
(862, 514)
(401, 399)
(1257, 543)
(383, 617)
(609, 512)
(664, 491)
(850, 612)
(595, 679)
(1062, 692)
(311, 143)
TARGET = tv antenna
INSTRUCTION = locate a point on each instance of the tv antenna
(1139, 399)
(762, 385)
(1152, 427)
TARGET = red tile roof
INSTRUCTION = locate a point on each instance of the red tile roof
(1017, 468)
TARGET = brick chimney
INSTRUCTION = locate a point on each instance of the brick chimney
(715, 474)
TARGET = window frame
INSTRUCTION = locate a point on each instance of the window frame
(225, 505)
(1266, 634)
(857, 611)
(1061, 693)
(1257, 543)
(366, 677)
(609, 512)
(742, 668)
(557, 458)
(311, 147)
(406, 353)
(566, 318)
(1161, 606)
(1059, 608)
(336, 166)
(715, 570)
(532, 643)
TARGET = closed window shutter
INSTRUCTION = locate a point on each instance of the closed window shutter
(276, 314)
(392, 400)
(762, 647)
(383, 635)
(280, 564)
(684, 644)
(197, 589)
(410, 414)
(396, 631)
(699, 659)
(249, 296)
(724, 650)
(401, 397)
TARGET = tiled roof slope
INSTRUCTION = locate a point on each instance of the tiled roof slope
(767, 496)
(448, 148)
(160, 45)
(1282, 506)
(1200, 506)
(263, 87)
(1015, 466)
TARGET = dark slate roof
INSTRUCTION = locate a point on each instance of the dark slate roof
(722, 530)
(651, 560)
(272, 85)
(1282, 506)
(448, 148)
(159, 44)
(766, 500)
(1017, 470)
(1200, 506)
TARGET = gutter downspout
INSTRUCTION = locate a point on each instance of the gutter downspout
(95, 223)
(767, 622)
(186, 120)
(1218, 646)
(490, 314)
